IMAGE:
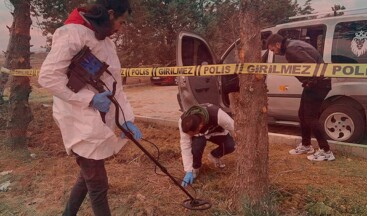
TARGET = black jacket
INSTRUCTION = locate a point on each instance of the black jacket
(211, 126)
(297, 51)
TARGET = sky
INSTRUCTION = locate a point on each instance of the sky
(325, 5)
(37, 40)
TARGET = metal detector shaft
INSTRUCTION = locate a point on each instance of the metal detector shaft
(130, 136)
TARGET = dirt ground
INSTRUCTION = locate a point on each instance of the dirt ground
(41, 185)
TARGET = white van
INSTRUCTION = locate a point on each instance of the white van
(340, 39)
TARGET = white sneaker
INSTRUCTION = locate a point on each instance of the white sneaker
(301, 149)
(195, 172)
(321, 155)
(216, 161)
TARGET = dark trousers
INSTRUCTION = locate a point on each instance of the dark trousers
(93, 180)
(225, 144)
(309, 113)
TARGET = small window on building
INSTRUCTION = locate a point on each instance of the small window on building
(350, 42)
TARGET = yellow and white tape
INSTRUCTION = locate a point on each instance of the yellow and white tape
(306, 70)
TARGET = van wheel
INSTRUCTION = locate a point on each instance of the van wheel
(342, 123)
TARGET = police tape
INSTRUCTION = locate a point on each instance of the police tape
(286, 69)
(20, 72)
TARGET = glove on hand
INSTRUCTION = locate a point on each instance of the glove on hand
(129, 126)
(101, 101)
(188, 179)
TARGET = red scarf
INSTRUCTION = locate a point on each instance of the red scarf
(76, 18)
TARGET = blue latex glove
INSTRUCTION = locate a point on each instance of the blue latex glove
(129, 126)
(188, 179)
(101, 102)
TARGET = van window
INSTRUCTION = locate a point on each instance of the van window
(232, 56)
(350, 42)
(314, 35)
(195, 52)
(264, 38)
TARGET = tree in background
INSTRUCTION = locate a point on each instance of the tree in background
(336, 8)
(150, 37)
(276, 12)
(223, 28)
(17, 56)
(306, 9)
(50, 15)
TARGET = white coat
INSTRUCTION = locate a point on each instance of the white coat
(82, 129)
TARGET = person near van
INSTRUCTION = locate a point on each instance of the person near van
(199, 124)
(84, 133)
(315, 89)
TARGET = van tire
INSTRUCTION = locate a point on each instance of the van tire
(346, 120)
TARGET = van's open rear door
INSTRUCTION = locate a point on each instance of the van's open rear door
(194, 50)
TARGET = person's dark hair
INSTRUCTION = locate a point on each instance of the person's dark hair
(97, 15)
(118, 6)
(273, 39)
(190, 123)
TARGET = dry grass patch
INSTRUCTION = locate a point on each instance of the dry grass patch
(41, 186)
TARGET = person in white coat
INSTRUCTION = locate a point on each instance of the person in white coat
(199, 124)
(84, 133)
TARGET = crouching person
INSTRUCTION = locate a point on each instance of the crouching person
(199, 124)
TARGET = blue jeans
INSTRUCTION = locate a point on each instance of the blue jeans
(93, 180)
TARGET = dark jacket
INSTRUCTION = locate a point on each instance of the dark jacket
(211, 125)
(297, 51)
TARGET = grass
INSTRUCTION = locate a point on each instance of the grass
(41, 185)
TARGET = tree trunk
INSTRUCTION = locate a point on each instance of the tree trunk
(18, 57)
(250, 114)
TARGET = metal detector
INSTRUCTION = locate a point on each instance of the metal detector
(85, 68)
